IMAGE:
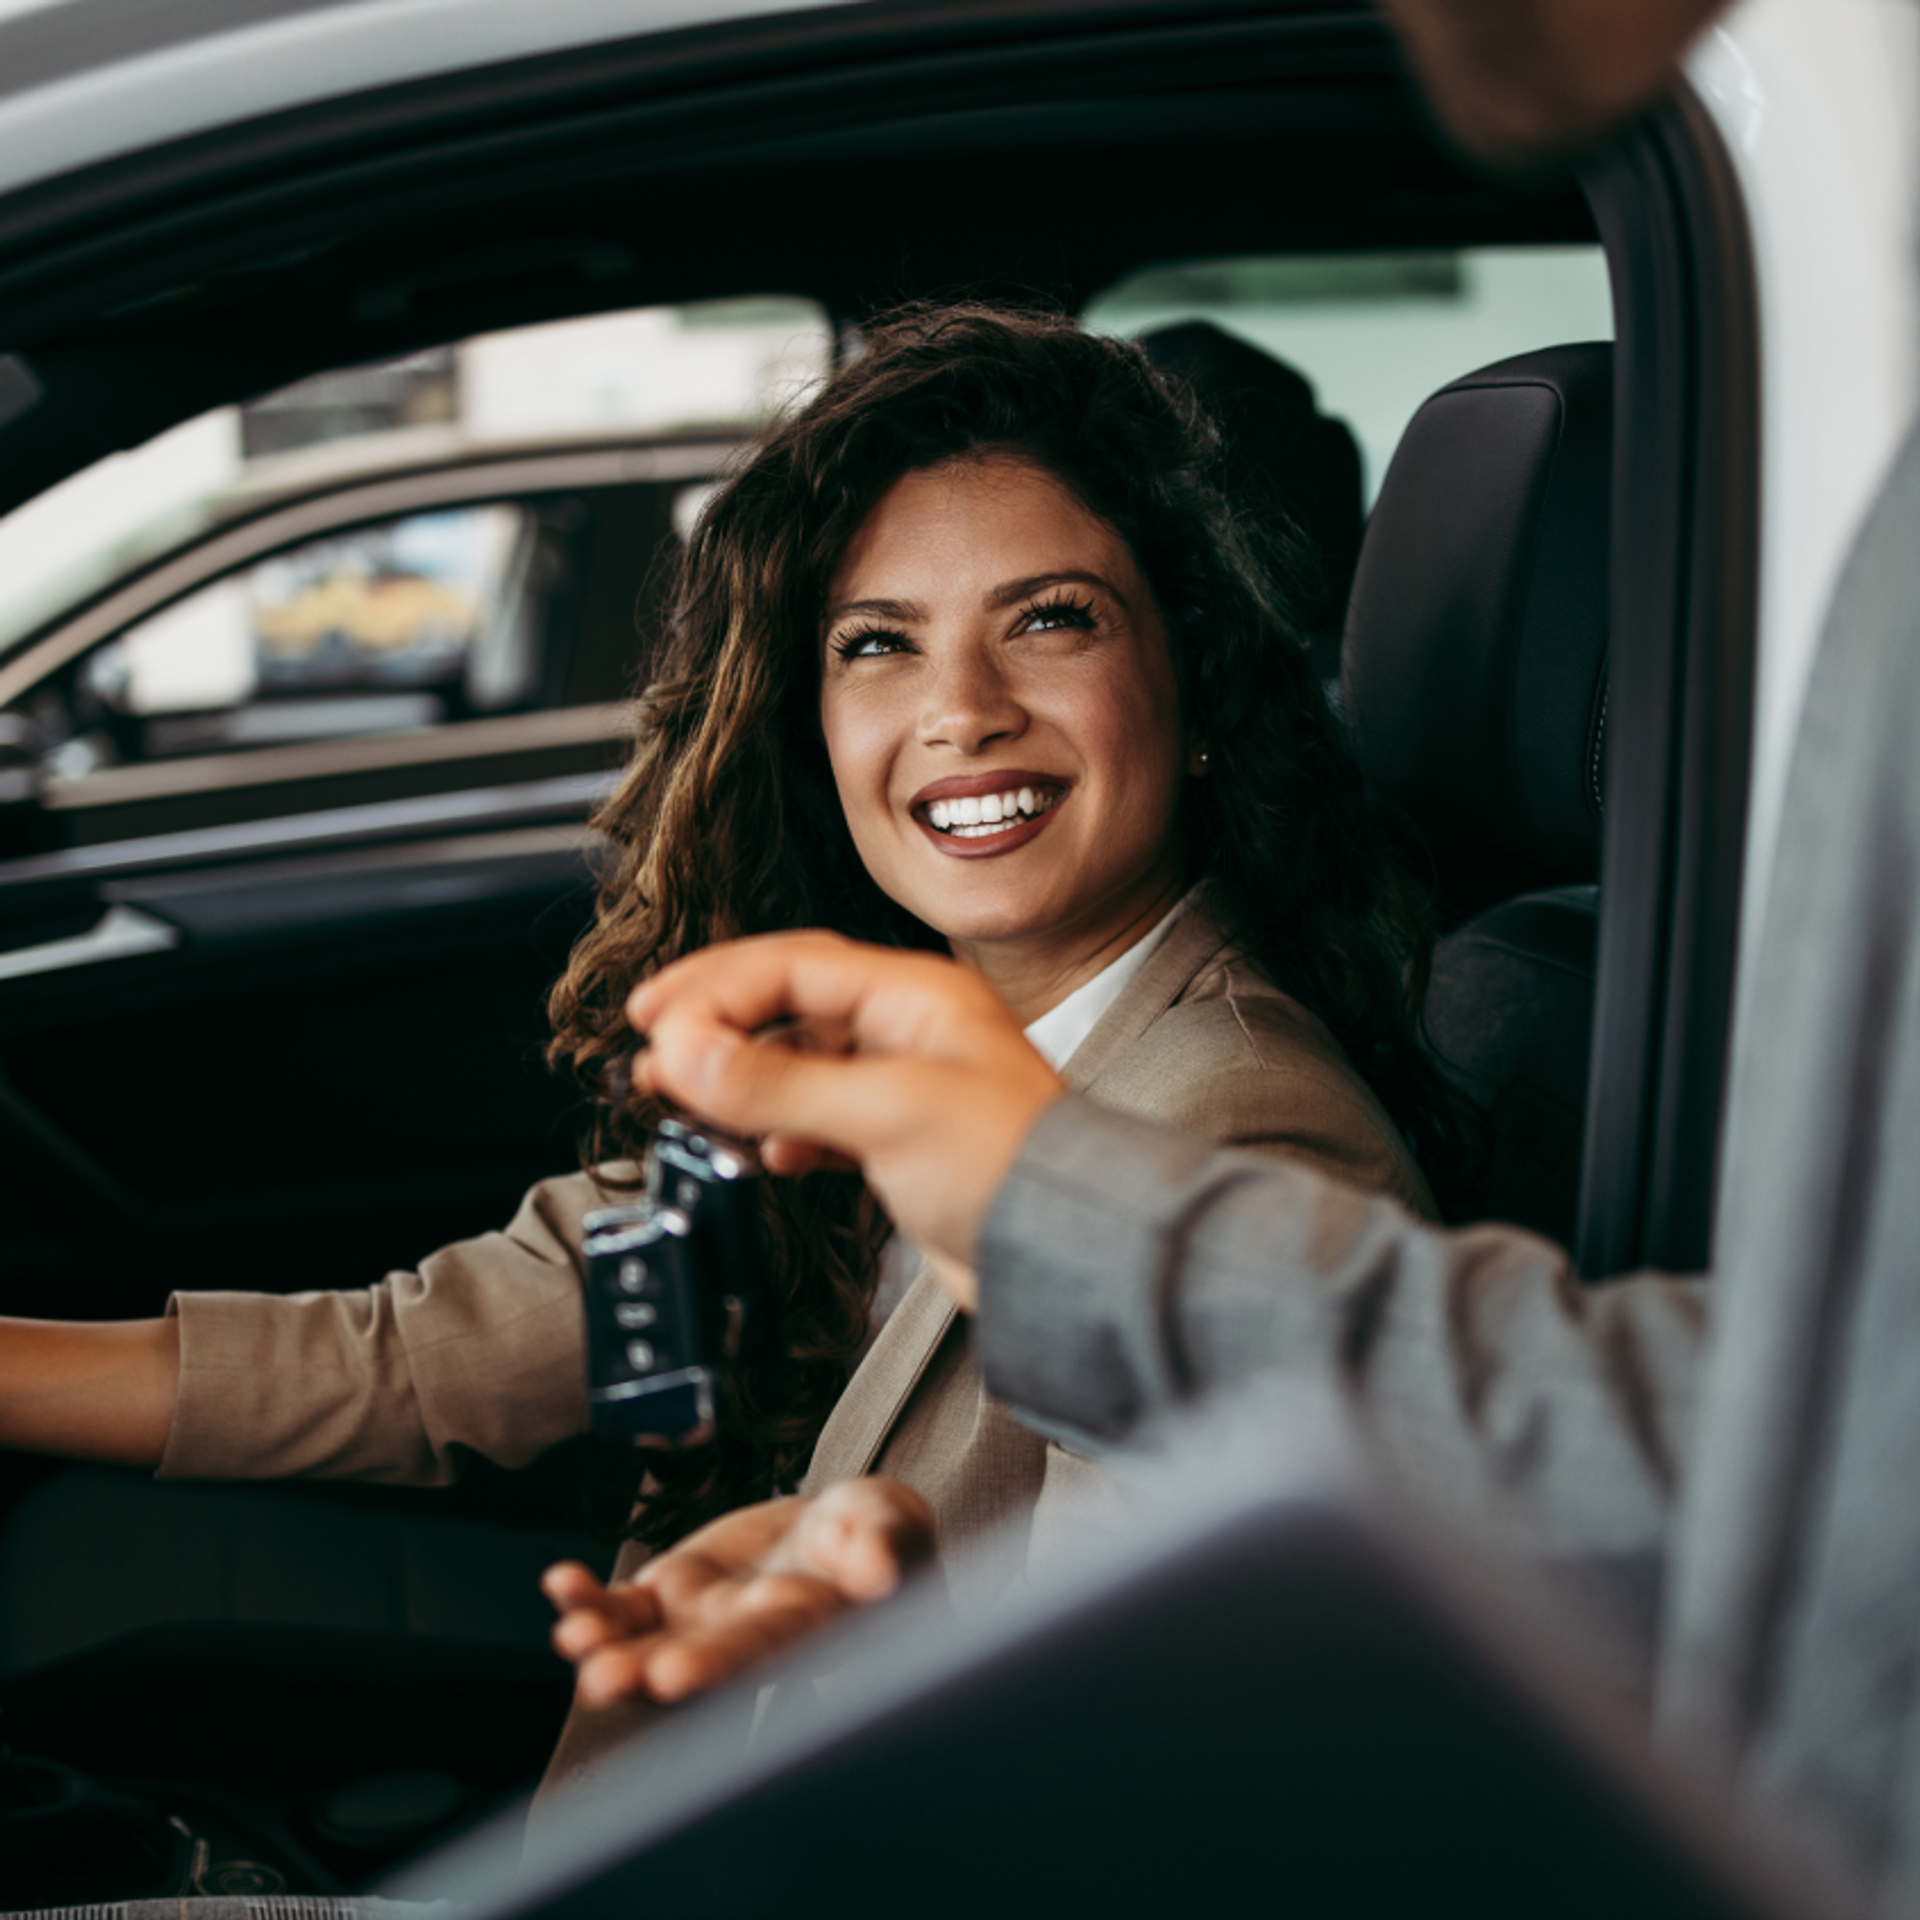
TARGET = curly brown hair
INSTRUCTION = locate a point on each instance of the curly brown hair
(728, 821)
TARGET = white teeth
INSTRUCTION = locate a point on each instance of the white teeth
(991, 813)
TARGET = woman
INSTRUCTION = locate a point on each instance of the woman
(972, 653)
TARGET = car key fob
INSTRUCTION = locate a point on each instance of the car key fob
(674, 1286)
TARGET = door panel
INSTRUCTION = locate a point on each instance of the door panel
(335, 1065)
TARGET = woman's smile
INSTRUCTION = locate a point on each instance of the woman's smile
(999, 705)
(984, 814)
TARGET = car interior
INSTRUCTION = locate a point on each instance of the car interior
(282, 1026)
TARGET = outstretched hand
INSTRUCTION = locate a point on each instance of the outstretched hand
(738, 1590)
(916, 1071)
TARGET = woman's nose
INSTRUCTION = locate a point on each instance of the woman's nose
(969, 705)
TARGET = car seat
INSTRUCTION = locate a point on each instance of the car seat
(1475, 685)
(1284, 458)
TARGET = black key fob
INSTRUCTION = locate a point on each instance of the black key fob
(674, 1286)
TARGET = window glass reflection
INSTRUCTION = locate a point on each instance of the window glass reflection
(375, 630)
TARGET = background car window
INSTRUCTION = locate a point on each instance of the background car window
(376, 555)
(1378, 333)
(374, 630)
(715, 365)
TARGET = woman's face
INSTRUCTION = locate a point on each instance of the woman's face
(1000, 709)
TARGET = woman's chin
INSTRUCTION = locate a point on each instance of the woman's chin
(1032, 915)
(977, 925)
(1031, 921)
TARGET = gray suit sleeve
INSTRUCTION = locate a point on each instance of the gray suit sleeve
(1125, 1268)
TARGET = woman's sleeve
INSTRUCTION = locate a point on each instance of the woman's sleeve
(481, 1350)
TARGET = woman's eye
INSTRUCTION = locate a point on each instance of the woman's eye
(869, 643)
(1074, 615)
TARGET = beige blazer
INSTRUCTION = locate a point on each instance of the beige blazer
(1198, 1040)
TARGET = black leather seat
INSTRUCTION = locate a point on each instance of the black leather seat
(1283, 456)
(1475, 683)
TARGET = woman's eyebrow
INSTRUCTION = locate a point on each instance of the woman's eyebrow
(1016, 591)
(876, 610)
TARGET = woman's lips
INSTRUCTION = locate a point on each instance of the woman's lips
(980, 824)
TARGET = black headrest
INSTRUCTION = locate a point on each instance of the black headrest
(1282, 452)
(1475, 669)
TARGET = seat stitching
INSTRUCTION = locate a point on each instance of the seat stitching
(1595, 753)
(1572, 969)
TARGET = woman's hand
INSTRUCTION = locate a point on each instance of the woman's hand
(916, 1072)
(744, 1587)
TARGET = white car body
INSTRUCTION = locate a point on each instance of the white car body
(227, 63)
(1818, 102)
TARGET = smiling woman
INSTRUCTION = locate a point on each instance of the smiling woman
(974, 655)
(991, 563)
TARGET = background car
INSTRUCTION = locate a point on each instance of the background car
(271, 1001)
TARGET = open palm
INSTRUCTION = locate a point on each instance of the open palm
(741, 1588)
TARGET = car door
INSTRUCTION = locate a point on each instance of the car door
(299, 1046)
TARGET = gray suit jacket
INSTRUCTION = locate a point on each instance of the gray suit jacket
(1776, 1466)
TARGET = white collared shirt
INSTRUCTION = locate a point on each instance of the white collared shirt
(1057, 1034)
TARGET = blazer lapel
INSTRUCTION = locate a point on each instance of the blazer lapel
(883, 1382)
(864, 1415)
(1189, 944)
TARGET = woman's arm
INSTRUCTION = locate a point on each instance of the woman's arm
(92, 1391)
(480, 1350)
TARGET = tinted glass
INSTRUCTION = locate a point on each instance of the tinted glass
(377, 630)
(439, 615)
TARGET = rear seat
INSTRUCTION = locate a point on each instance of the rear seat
(1284, 457)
